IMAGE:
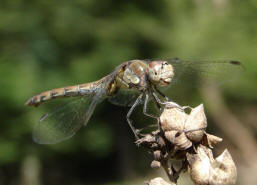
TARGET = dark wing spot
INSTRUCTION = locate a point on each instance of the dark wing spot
(235, 62)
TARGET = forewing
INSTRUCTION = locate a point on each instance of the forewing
(124, 97)
(196, 72)
(65, 121)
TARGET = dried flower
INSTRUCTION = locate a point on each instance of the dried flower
(224, 170)
(173, 119)
(182, 137)
(182, 129)
(205, 170)
(200, 165)
(195, 124)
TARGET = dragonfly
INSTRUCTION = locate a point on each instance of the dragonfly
(131, 83)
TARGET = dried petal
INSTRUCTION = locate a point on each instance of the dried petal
(199, 165)
(171, 135)
(173, 119)
(182, 142)
(223, 170)
(146, 141)
(211, 140)
(206, 170)
(196, 124)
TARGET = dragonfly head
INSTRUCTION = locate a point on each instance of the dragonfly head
(160, 72)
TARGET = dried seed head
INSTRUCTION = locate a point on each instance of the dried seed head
(199, 166)
(172, 119)
(223, 170)
(155, 164)
(196, 124)
(206, 170)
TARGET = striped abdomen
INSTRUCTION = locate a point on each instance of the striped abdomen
(76, 90)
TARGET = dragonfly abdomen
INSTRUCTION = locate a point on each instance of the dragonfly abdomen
(76, 90)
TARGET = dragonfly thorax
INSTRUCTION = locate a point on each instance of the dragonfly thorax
(134, 75)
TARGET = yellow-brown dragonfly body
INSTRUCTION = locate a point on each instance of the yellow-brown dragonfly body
(129, 75)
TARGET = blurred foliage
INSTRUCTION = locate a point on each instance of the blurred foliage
(49, 44)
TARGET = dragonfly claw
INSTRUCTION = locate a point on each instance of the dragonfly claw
(186, 107)
(175, 105)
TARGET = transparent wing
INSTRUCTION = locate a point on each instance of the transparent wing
(188, 75)
(65, 121)
(196, 72)
(124, 97)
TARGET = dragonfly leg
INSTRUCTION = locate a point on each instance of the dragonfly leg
(145, 108)
(147, 127)
(157, 99)
(169, 104)
(161, 93)
(129, 114)
(175, 105)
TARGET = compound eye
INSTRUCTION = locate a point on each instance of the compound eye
(164, 63)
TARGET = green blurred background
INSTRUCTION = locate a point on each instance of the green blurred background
(49, 44)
